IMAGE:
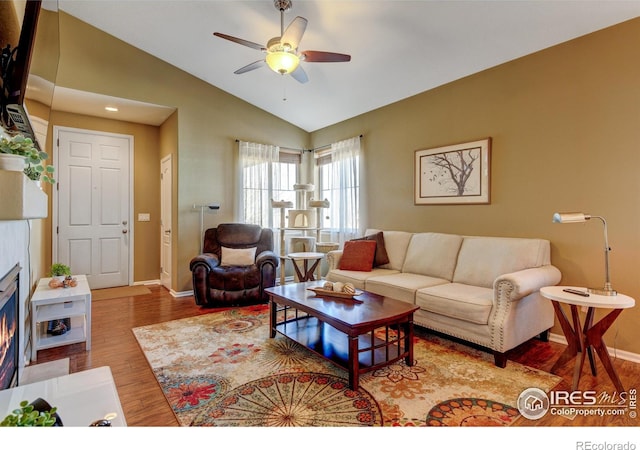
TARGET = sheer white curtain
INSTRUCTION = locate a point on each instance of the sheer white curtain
(345, 180)
(254, 171)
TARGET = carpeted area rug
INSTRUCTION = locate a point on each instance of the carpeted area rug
(222, 369)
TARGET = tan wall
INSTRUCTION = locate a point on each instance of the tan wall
(146, 184)
(566, 137)
(10, 31)
(210, 121)
(563, 123)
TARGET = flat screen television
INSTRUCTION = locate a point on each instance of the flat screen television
(15, 62)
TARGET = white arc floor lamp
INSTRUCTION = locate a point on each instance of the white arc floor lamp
(575, 217)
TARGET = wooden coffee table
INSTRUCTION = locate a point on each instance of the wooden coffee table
(360, 334)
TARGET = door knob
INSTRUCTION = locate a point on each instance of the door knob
(167, 231)
(124, 222)
(124, 231)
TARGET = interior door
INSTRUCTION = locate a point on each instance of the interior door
(165, 221)
(93, 213)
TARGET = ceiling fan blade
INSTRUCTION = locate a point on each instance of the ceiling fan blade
(241, 41)
(300, 75)
(315, 56)
(293, 34)
(249, 67)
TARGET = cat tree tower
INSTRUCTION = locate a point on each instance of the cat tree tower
(302, 218)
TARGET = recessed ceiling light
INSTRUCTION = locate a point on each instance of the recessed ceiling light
(111, 108)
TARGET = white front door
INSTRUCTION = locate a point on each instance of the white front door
(93, 205)
(165, 221)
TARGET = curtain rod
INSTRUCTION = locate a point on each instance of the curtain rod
(308, 149)
(324, 146)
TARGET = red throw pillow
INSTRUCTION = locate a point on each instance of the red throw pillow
(358, 255)
(381, 257)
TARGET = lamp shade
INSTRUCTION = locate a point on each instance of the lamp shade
(570, 217)
(575, 217)
(282, 62)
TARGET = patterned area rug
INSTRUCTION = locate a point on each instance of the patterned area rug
(222, 369)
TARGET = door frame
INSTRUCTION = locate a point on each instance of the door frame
(168, 159)
(54, 201)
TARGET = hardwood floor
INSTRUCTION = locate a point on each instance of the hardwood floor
(144, 404)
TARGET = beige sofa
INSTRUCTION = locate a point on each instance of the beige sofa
(484, 290)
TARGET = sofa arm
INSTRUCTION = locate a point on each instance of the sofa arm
(333, 259)
(516, 285)
(209, 260)
(267, 256)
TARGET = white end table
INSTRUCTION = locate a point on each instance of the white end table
(581, 337)
(59, 303)
(81, 397)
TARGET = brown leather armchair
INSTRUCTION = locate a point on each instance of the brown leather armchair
(216, 285)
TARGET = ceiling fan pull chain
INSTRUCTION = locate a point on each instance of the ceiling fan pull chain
(284, 90)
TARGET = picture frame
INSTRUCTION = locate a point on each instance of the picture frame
(454, 174)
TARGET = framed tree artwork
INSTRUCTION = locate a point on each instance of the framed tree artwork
(453, 174)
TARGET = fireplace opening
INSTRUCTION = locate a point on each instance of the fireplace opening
(9, 329)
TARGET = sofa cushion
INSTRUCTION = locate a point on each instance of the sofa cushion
(396, 243)
(401, 286)
(356, 278)
(358, 255)
(433, 254)
(482, 259)
(459, 301)
(381, 256)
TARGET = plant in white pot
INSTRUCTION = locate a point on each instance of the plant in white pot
(35, 414)
(20, 153)
(60, 270)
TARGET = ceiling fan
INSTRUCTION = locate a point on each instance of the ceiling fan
(282, 54)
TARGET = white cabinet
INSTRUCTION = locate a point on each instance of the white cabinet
(60, 303)
(81, 397)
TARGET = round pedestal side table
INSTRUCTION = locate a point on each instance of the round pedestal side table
(310, 261)
(582, 337)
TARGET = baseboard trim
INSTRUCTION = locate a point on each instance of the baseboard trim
(613, 352)
(146, 283)
(171, 291)
(180, 293)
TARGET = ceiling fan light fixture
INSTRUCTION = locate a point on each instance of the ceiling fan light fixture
(282, 62)
(282, 55)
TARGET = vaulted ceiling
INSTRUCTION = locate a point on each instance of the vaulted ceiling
(398, 48)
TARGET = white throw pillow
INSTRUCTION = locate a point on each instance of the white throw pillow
(238, 256)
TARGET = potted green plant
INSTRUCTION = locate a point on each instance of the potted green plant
(60, 270)
(30, 158)
(35, 414)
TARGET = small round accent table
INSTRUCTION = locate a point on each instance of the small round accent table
(305, 273)
(582, 337)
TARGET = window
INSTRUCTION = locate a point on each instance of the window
(284, 174)
(339, 182)
(266, 173)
